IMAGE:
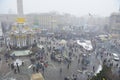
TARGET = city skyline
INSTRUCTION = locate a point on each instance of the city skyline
(74, 7)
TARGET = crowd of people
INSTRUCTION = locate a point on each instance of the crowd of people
(53, 50)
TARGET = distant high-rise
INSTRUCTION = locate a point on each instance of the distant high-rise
(20, 7)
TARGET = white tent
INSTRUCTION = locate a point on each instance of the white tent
(18, 61)
(86, 44)
(40, 46)
(21, 53)
(63, 41)
(98, 70)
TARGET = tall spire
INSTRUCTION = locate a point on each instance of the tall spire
(20, 7)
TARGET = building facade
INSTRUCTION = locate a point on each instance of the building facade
(114, 23)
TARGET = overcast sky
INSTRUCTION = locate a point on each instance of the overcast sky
(75, 7)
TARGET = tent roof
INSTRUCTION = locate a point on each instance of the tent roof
(37, 76)
(63, 41)
(21, 53)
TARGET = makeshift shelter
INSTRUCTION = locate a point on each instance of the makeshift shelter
(18, 61)
(37, 76)
(63, 41)
(21, 53)
(40, 46)
(86, 44)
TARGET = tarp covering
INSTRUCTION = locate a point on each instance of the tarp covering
(37, 76)
(63, 42)
(21, 53)
(86, 44)
(18, 61)
(98, 70)
(40, 46)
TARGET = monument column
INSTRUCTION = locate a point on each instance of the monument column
(20, 7)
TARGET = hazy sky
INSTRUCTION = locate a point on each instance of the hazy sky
(75, 7)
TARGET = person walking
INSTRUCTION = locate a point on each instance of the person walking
(18, 67)
(68, 65)
(93, 68)
(78, 60)
(0, 58)
(15, 71)
(119, 72)
(60, 71)
(43, 69)
(12, 66)
(33, 68)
